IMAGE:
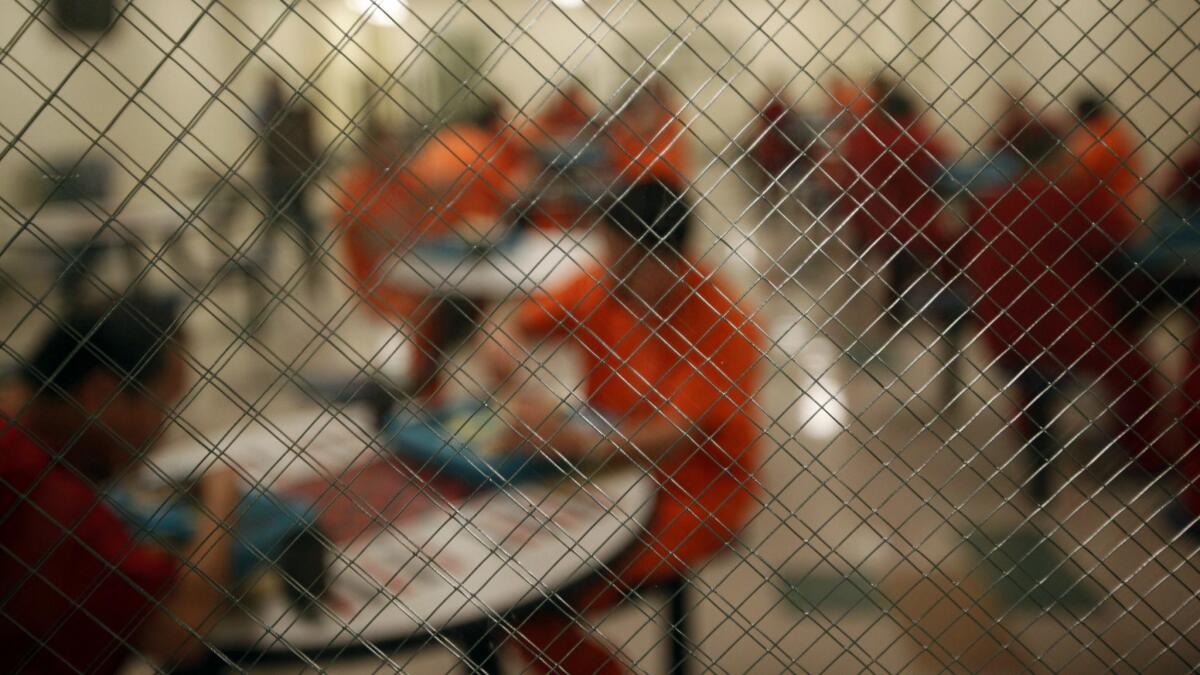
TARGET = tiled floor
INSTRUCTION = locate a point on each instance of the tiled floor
(894, 534)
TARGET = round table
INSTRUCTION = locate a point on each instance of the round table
(531, 259)
(410, 562)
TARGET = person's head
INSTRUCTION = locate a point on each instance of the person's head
(1090, 106)
(894, 99)
(647, 227)
(106, 380)
(1036, 143)
(490, 114)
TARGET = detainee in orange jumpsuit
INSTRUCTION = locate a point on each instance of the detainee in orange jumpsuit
(560, 132)
(1106, 165)
(1033, 258)
(647, 140)
(673, 362)
(453, 186)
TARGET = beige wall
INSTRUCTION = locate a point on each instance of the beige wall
(719, 55)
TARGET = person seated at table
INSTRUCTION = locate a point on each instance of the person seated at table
(563, 140)
(648, 141)
(672, 362)
(1105, 165)
(83, 591)
(1033, 258)
(458, 185)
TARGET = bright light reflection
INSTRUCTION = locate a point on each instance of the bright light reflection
(381, 12)
(819, 413)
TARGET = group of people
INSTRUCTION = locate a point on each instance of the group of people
(1031, 231)
(670, 358)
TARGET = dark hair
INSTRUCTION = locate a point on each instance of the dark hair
(651, 214)
(127, 339)
(1089, 106)
(1034, 141)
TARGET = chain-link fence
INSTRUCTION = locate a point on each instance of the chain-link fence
(599, 335)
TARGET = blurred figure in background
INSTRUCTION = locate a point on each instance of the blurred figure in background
(780, 145)
(1105, 171)
(568, 158)
(1033, 258)
(1182, 190)
(648, 142)
(671, 361)
(996, 161)
(289, 159)
(782, 149)
(892, 163)
(83, 590)
(459, 186)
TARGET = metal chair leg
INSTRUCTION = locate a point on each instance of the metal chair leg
(677, 626)
(481, 651)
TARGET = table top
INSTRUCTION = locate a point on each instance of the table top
(412, 560)
(533, 259)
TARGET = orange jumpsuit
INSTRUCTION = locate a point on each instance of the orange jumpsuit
(704, 366)
(562, 126)
(1104, 151)
(459, 174)
(654, 151)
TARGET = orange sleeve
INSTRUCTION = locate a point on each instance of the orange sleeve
(558, 311)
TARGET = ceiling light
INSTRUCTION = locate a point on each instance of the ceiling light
(381, 12)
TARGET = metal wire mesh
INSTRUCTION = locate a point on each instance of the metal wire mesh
(599, 335)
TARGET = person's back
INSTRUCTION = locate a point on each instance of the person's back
(83, 590)
(1033, 267)
(1034, 259)
(72, 606)
(670, 360)
(893, 165)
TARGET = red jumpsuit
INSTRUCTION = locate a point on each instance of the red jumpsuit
(1032, 259)
(774, 150)
(887, 184)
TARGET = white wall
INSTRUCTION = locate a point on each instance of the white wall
(196, 72)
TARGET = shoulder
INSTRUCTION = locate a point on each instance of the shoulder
(716, 307)
(19, 455)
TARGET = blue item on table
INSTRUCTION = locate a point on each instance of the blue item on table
(456, 246)
(460, 441)
(1173, 243)
(266, 523)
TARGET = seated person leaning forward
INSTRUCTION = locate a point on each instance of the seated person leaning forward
(671, 362)
(83, 592)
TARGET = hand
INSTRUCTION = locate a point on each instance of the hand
(219, 493)
(538, 425)
(501, 354)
